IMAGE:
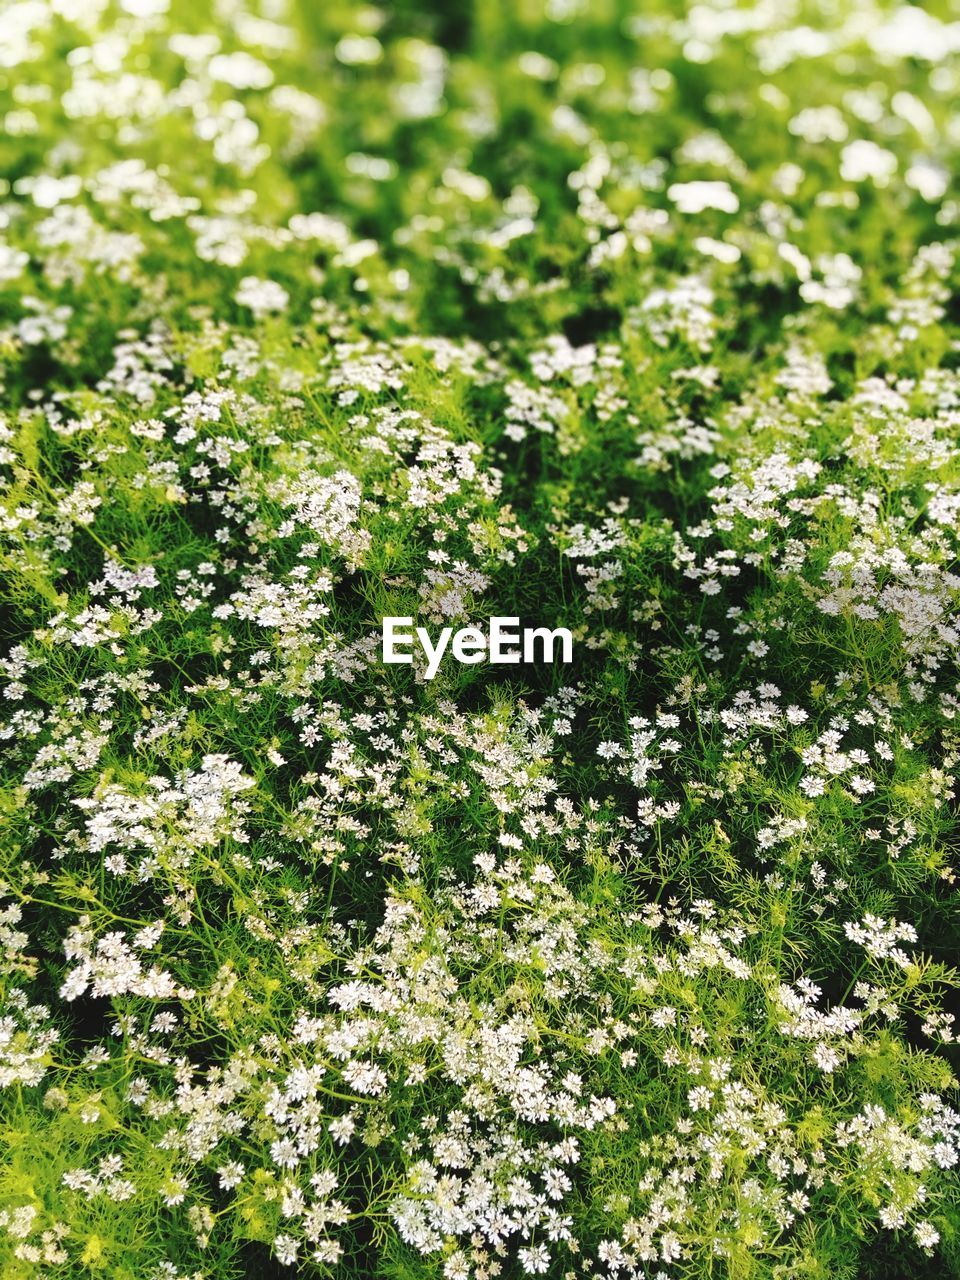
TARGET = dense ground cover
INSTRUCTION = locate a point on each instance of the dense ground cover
(628, 318)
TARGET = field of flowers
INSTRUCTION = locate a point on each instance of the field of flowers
(623, 316)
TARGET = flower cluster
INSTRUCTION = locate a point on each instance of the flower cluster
(638, 322)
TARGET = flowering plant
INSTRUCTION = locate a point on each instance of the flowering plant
(631, 329)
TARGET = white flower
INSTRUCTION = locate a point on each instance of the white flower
(826, 1058)
(862, 160)
(12, 262)
(359, 51)
(926, 1235)
(286, 1249)
(534, 1260)
(240, 70)
(263, 297)
(694, 197)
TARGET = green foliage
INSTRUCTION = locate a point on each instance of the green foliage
(634, 320)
